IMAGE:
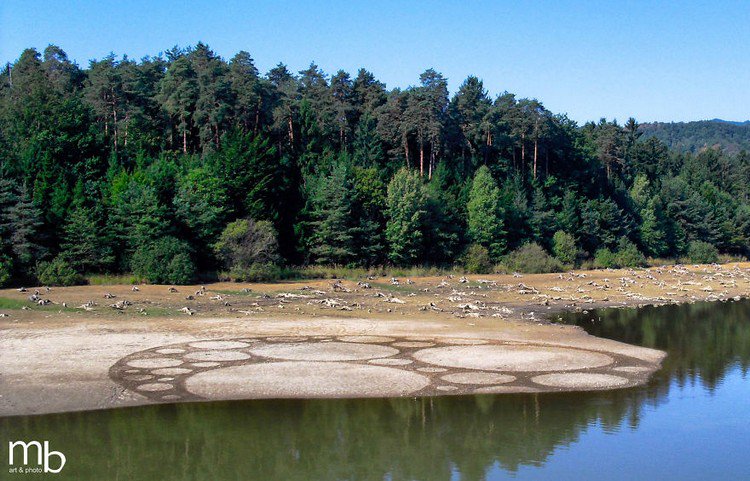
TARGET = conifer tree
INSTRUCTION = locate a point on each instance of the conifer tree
(485, 214)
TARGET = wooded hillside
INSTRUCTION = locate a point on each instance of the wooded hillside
(185, 164)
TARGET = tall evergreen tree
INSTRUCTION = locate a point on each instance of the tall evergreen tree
(485, 221)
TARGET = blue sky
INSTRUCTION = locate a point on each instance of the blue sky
(654, 60)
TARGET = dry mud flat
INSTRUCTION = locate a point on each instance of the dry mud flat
(379, 337)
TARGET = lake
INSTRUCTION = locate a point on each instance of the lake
(692, 421)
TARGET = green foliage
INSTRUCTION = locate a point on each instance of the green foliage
(406, 211)
(84, 244)
(477, 260)
(485, 215)
(654, 230)
(164, 261)
(6, 270)
(58, 272)
(333, 227)
(99, 163)
(532, 259)
(605, 259)
(564, 247)
(258, 272)
(628, 254)
(700, 252)
(245, 243)
(201, 203)
(693, 136)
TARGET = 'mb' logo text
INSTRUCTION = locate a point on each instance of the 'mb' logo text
(43, 455)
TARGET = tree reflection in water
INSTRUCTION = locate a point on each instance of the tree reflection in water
(396, 439)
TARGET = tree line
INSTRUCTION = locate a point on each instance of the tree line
(184, 164)
(732, 137)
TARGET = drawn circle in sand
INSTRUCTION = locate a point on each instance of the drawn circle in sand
(218, 344)
(217, 356)
(580, 380)
(512, 358)
(155, 386)
(306, 379)
(366, 338)
(171, 371)
(478, 378)
(329, 351)
(154, 362)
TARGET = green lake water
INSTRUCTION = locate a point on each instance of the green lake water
(691, 422)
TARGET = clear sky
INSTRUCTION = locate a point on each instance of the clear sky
(654, 60)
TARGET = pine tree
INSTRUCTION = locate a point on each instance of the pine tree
(26, 230)
(653, 237)
(84, 244)
(406, 212)
(485, 214)
(334, 229)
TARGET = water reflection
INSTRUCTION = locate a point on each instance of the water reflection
(471, 438)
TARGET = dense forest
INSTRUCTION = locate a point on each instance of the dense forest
(184, 165)
(732, 137)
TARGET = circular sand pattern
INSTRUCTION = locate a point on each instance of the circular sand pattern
(464, 342)
(218, 344)
(332, 351)
(155, 362)
(306, 379)
(446, 388)
(217, 356)
(171, 371)
(634, 369)
(155, 386)
(366, 339)
(391, 362)
(581, 380)
(504, 389)
(364, 365)
(413, 344)
(478, 378)
(512, 358)
(206, 364)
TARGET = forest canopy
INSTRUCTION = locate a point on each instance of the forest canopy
(185, 164)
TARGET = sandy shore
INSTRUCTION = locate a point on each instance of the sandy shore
(415, 337)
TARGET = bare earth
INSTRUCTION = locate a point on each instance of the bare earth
(420, 337)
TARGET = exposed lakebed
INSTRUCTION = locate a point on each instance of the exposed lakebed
(691, 421)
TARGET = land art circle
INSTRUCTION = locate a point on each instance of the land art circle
(512, 358)
(330, 351)
(580, 380)
(306, 379)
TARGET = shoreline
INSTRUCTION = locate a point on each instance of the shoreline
(322, 339)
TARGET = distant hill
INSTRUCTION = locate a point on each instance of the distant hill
(694, 136)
